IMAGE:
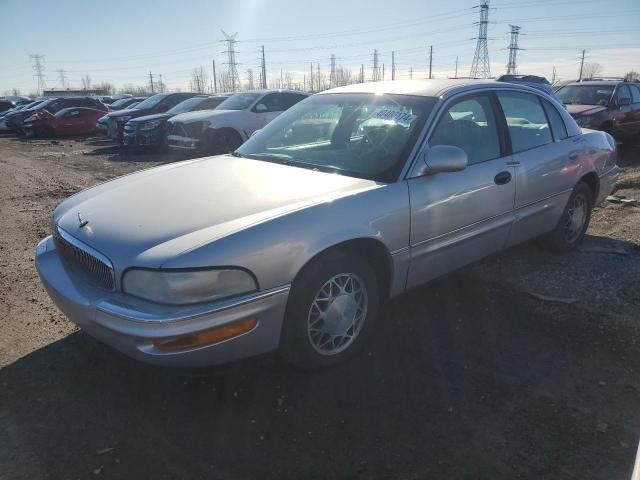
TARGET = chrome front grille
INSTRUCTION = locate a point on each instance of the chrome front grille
(97, 270)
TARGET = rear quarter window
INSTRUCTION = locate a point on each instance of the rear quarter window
(558, 127)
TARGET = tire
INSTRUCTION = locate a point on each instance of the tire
(571, 228)
(224, 141)
(310, 341)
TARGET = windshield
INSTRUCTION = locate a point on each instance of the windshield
(360, 135)
(121, 102)
(239, 101)
(187, 105)
(151, 101)
(586, 94)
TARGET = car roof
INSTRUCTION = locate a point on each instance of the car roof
(425, 88)
(269, 90)
(598, 82)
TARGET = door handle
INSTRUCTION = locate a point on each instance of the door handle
(502, 178)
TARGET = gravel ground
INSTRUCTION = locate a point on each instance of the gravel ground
(524, 365)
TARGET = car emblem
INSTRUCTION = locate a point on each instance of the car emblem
(82, 222)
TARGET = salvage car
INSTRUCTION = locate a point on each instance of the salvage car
(68, 121)
(352, 196)
(612, 106)
(231, 123)
(126, 102)
(150, 130)
(158, 103)
(53, 106)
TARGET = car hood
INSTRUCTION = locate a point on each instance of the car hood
(201, 115)
(147, 218)
(156, 116)
(580, 110)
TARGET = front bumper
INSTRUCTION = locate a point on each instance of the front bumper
(141, 138)
(129, 324)
(102, 128)
(178, 142)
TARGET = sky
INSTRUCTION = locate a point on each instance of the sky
(122, 41)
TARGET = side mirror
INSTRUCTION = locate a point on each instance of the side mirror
(444, 158)
(623, 102)
(261, 107)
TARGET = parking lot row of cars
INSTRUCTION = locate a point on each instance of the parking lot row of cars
(209, 124)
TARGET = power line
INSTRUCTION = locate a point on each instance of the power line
(63, 78)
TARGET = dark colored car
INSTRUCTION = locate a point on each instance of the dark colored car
(53, 106)
(68, 121)
(151, 129)
(533, 81)
(127, 102)
(158, 103)
(612, 106)
(6, 105)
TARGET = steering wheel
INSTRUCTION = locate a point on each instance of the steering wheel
(372, 140)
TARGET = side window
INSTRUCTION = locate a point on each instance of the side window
(274, 102)
(526, 121)
(470, 125)
(635, 93)
(290, 99)
(623, 92)
(174, 100)
(557, 124)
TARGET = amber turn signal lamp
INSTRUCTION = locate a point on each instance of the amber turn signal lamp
(206, 337)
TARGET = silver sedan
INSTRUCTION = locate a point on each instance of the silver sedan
(293, 241)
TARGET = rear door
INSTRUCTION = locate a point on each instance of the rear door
(545, 160)
(624, 119)
(635, 107)
(459, 217)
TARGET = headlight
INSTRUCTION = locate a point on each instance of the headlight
(184, 287)
(150, 125)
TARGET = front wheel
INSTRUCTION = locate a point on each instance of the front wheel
(331, 312)
(574, 221)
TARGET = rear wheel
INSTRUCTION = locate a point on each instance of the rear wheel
(574, 221)
(332, 311)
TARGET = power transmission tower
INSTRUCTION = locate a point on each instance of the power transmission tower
(232, 65)
(332, 76)
(63, 78)
(430, 60)
(393, 65)
(512, 66)
(375, 73)
(480, 67)
(250, 79)
(38, 68)
(581, 65)
(263, 66)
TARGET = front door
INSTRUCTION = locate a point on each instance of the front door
(459, 217)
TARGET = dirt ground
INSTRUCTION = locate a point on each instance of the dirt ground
(524, 365)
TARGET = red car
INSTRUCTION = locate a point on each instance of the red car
(68, 121)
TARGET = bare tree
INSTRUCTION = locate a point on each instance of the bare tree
(591, 70)
(109, 88)
(632, 76)
(86, 82)
(199, 80)
(344, 76)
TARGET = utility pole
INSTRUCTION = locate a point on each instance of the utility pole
(332, 76)
(554, 76)
(38, 68)
(456, 67)
(151, 81)
(264, 70)
(232, 65)
(383, 72)
(393, 65)
(430, 60)
(375, 74)
(311, 77)
(581, 65)
(410, 73)
(512, 66)
(63, 78)
(318, 68)
(215, 78)
(161, 84)
(362, 73)
(480, 67)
